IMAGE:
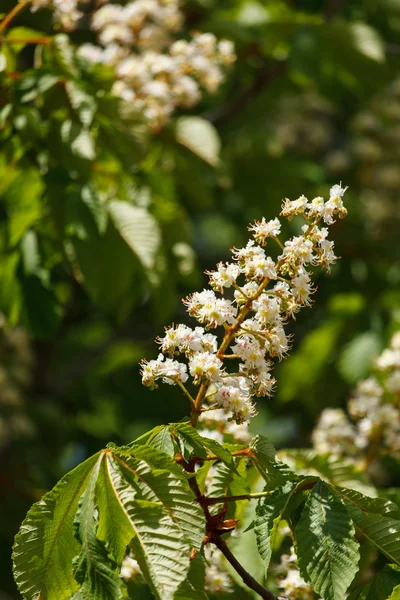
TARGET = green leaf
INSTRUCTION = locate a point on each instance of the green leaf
(97, 207)
(10, 290)
(22, 34)
(275, 472)
(376, 519)
(45, 545)
(355, 359)
(119, 271)
(367, 40)
(200, 137)
(23, 200)
(64, 54)
(162, 441)
(325, 545)
(384, 586)
(94, 569)
(193, 586)
(139, 229)
(190, 442)
(160, 548)
(78, 139)
(337, 471)
(219, 451)
(269, 514)
(227, 482)
(83, 104)
(161, 480)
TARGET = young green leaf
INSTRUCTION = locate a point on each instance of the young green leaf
(326, 548)
(190, 442)
(372, 517)
(269, 514)
(45, 545)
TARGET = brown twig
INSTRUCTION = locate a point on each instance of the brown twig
(13, 13)
(246, 577)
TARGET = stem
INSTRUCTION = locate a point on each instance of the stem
(278, 241)
(222, 499)
(246, 577)
(43, 41)
(13, 13)
(185, 391)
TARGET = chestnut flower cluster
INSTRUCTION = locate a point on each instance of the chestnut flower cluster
(372, 424)
(217, 579)
(266, 293)
(155, 72)
(290, 581)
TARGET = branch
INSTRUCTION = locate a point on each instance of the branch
(247, 578)
(13, 13)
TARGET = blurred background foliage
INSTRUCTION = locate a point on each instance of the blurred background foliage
(105, 225)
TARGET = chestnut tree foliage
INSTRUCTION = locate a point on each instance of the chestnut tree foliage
(138, 140)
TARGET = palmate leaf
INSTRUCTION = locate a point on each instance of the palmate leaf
(94, 569)
(268, 516)
(377, 519)
(327, 550)
(136, 496)
(45, 545)
(160, 549)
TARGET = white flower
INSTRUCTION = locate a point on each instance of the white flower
(334, 433)
(267, 310)
(334, 206)
(217, 579)
(166, 368)
(207, 308)
(294, 207)
(249, 290)
(299, 249)
(187, 340)
(301, 287)
(263, 229)
(106, 15)
(205, 365)
(278, 342)
(254, 263)
(249, 350)
(395, 341)
(337, 191)
(393, 381)
(224, 276)
(389, 359)
(116, 33)
(130, 569)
